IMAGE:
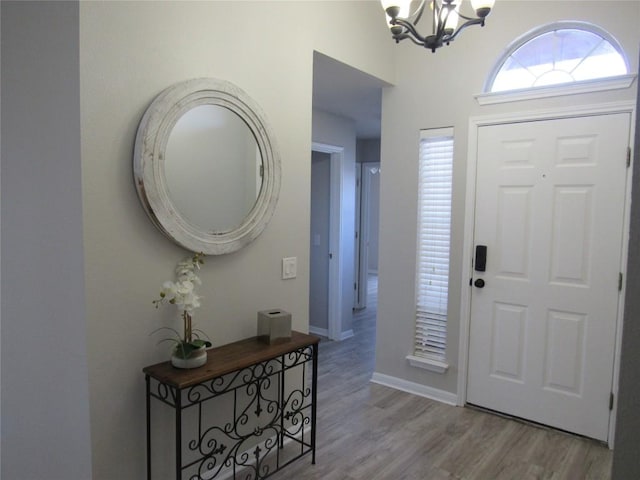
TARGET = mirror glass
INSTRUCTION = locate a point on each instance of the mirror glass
(212, 168)
(206, 166)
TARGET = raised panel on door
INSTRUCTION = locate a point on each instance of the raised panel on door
(571, 235)
(513, 231)
(507, 341)
(565, 352)
(550, 199)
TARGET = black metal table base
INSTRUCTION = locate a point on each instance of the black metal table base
(246, 424)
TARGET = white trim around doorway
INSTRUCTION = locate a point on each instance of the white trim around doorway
(334, 331)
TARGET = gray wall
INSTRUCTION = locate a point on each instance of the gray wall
(45, 395)
(368, 150)
(626, 463)
(129, 52)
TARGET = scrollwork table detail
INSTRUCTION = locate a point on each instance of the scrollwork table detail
(247, 413)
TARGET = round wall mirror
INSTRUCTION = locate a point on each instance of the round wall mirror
(206, 167)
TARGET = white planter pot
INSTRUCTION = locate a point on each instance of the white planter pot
(196, 359)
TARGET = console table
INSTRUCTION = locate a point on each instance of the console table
(247, 413)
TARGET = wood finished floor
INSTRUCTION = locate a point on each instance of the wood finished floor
(370, 432)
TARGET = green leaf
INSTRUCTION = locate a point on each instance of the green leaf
(199, 343)
(184, 349)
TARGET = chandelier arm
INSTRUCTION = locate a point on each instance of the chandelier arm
(409, 26)
(467, 18)
(474, 21)
(403, 36)
(437, 9)
(419, 12)
(420, 43)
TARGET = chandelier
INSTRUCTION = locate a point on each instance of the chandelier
(445, 16)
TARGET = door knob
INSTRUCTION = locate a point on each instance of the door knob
(479, 283)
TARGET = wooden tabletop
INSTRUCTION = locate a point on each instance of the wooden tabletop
(226, 359)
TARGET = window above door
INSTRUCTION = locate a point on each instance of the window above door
(557, 59)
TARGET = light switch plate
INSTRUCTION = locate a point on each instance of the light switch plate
(289, 267)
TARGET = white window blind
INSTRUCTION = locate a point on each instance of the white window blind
(434, 232)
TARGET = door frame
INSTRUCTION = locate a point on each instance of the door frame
(360, 297)
(363, 227)
(336, 154)
(469, 223)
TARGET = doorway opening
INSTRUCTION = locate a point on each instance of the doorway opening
(329, 244)
(347, 113)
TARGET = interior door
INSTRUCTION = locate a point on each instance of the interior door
(550, 199)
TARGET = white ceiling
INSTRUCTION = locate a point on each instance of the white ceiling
(347, 92)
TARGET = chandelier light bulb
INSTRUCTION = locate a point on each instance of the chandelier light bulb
(449, 15)
(482, 7)
(396, 8)
(452, 21)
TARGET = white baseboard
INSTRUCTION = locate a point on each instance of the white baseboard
(345, 335)
(415, 388)
(323, 332)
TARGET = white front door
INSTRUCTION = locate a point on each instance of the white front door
(550, 199)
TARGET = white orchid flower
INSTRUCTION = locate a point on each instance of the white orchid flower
(181, 293)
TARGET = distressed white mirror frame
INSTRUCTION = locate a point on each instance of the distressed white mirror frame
(149, 164)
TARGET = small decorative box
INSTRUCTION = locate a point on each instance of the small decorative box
(274, 326)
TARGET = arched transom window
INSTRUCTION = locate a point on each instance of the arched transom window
(559, 53)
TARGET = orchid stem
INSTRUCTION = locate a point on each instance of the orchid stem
(187, 327)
